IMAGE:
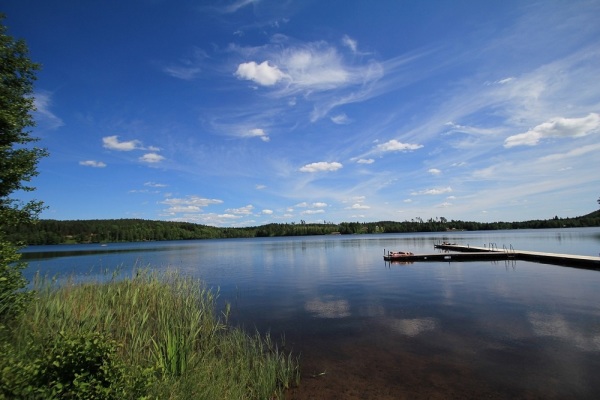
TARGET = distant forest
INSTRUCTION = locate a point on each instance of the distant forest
(137, 230)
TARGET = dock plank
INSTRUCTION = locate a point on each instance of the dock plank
(536, 256)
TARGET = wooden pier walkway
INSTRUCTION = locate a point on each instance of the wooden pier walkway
(571, 260)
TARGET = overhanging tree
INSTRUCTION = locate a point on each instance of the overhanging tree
(18, 162)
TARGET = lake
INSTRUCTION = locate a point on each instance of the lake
(367, 329)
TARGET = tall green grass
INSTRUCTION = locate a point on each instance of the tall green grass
(162, 332)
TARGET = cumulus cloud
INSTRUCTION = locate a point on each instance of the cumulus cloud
(151, 158)
(257, 132)
(434, 171)
(247, 210)
(263, 73)
(267, 212)
(304, 204)
(189, 204)
(358, 206)
(556, 127)
(312, 212)
(394, 145)
(113, 143)
(321, 166)
(92, 163)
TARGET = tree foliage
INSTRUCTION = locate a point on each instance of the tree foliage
(18, 161)
(137, 230)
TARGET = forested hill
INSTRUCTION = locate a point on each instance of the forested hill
(136, 230)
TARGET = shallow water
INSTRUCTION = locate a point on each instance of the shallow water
(505, 329)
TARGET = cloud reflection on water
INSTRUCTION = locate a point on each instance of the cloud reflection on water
(328, 308)
(555, 325)
(413, 327)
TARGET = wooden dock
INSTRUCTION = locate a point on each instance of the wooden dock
(475, 253)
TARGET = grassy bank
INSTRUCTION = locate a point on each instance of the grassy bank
(149, 336)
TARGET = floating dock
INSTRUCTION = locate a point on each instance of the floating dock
(570, 260)
(455, 252)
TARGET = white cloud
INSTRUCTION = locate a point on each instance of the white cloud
(556, 127)
(260, 187)
(263, 73)
(151, 158)
(112, 143)
(321, 166)
(188, 205)
(92, 163)
(257, 132)
(267, 212)
(247, 210)
(365, 161)
(358, 206)
(433, 191)
(311, 212)
(304, 204)
(340, 119)
(394, 145)
(155, 185)
(315, 66)
(434, 171)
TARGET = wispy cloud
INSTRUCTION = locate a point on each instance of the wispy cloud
(236, 5)
(46, 118)
(155, 185)
(350, 43)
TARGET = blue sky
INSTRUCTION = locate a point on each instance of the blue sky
(242, 113)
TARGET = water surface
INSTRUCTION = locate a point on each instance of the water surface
(504, 329)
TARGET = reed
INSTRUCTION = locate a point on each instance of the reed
(167, 332)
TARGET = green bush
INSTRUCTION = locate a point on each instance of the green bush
(83, 366)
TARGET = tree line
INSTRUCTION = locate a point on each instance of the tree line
(49, 231)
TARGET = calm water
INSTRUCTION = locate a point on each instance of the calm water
(508, 329)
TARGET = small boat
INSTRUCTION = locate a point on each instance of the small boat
(397, 255)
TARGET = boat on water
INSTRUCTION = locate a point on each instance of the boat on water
(397, 255)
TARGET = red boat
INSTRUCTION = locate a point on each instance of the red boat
(397, 255)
